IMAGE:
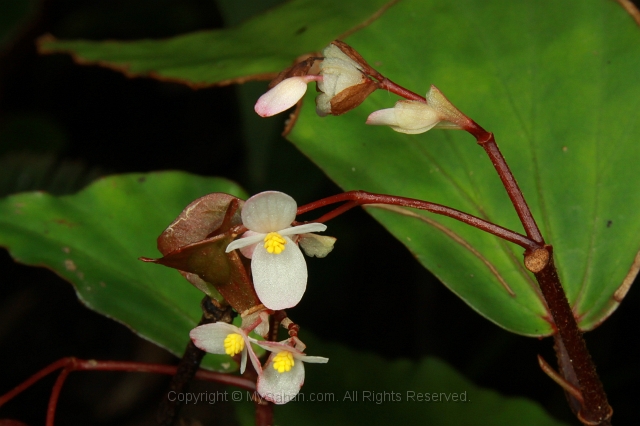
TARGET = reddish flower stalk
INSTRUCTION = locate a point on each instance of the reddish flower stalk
(595, 409)
(74, 364)
(356, 198)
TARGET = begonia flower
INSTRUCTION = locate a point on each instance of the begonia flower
(410, 117)
(343, 85)
(414, 117)
(283, 95)
(283, 374)
(277, 264)
(222, 338)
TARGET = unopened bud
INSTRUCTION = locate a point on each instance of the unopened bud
(410, 117)
(283, 95)
(344, 85)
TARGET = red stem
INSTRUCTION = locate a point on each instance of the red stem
(55, 394)
(386, 84)
(362, 198)
(73, 364)
(595, 409)
(488, 142)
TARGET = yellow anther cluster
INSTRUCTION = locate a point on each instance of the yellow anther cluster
(283, 361)
(233, 344)
(274, 243)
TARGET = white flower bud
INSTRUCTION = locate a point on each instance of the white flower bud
(340, 73)
(406, 117)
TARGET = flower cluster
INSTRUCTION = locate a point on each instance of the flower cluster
(344, 81)
(282, 376)
(272, 241)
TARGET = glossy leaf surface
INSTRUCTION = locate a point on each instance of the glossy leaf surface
(256, 49)
(555, 81)
(94, 238)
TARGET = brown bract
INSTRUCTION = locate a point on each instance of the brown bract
(353, 96)
(299, 69)
(195, 245)
(355, 56)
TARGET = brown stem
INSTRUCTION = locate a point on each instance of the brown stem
(55, 395)
(363, 197)
(385, 84)
(574, 358)
(596, 409)
(190, 362)
(487, 141)
(73, 364)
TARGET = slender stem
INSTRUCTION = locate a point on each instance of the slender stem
(386, 84)
(189, 364)
(73, 364)
(33, 379)
(596, 409)
(560, 380)
(487, 141)
(577, 365)
(362, 198)
(55, 394)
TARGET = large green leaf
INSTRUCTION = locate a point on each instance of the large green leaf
(357, 388)
(555, 80)
(94, 239)
(256, 49)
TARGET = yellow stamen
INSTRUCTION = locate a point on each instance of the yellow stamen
(283, 361)
(233, 344)
(274, 243)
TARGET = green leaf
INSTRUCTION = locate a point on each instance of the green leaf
(556, 82)
(94, 238)
(257, 49)
(356, 388)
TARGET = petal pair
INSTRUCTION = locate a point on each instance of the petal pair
(279, 275)
(215, 338)
(282, 385)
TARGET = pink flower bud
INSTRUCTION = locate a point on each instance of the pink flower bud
(283, 95)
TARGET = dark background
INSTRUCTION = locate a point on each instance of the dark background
(62, 125)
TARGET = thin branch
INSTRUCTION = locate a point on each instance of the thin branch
(55, 394)
(73, 364)
(363, 197)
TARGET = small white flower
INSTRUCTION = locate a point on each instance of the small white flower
(283, 374)
(406, 117)
(339, 72)
(277, 264)
(414, 117)
(223, 338)
(283, 95)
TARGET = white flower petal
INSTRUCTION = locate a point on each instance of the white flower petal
(383, 117)
(243, 358)
(210, 337)
(303, 229)
(277, 347)
(280, 388)
(279, 279)
(312, 359)
(316, 245)
(410, 117)
(253, 357)
(269, 211)
(281, 97)
(243, 241)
